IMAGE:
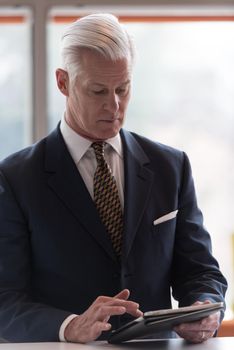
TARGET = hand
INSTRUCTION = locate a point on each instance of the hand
(89, 325)
(199, 331)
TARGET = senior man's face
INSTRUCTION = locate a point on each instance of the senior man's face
(97, 102)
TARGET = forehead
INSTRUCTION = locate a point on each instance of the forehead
(100, 70)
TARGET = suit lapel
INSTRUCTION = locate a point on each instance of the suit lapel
(138, 183)
(65, 180)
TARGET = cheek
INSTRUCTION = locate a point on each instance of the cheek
(124, 104)
(75, 101)
(92, 113)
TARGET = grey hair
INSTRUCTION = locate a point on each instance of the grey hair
(99, 32)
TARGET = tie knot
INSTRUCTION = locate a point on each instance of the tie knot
(99, 150)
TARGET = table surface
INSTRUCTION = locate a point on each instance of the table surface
(226, 343)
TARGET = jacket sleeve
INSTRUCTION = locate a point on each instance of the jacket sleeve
(21, 319)
(195, 272)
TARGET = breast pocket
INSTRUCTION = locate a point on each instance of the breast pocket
(163, 241)
(166, 228)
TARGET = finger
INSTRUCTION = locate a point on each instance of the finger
(106, 319)
(202, 302)
(131, 307)
(111, 310)
(120, 302)
(193, 337)
(100, 314)
(198, 303)
(205, 325)
(211, 323)
(189, 327)
(196, 337)
(100, 327)
(101, 311)
(92, 333)
(124, 294)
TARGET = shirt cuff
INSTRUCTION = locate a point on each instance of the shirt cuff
(64, 325)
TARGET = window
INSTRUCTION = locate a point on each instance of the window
(15, 80)
(183, 96)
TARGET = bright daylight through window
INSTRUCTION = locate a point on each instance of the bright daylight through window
(15, 80)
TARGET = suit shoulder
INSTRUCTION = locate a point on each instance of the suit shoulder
(30, 155)
(23, 161)
(153, 148)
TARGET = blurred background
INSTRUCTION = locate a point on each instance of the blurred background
(183, 89)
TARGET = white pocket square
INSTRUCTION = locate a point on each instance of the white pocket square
(166, 217)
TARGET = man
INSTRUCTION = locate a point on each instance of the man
(76, 240)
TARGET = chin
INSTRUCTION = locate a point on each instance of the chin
(106, 131)
(109, 135)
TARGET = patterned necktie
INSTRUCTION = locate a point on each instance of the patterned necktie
(106, 198)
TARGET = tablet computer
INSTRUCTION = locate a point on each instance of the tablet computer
(160, 320)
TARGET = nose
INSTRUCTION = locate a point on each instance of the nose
(112, 103)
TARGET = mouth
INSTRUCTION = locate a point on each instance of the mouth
(112, 120)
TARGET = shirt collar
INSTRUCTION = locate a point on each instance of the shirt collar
(78, 145)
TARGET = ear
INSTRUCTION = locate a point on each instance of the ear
(62, 81)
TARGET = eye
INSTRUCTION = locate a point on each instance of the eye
(99, 92)
(122, 91)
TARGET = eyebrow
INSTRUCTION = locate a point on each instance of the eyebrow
(103, 85)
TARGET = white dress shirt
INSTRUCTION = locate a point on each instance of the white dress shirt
(84, 157)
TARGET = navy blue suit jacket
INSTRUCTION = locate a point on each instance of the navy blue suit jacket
(56, 257)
